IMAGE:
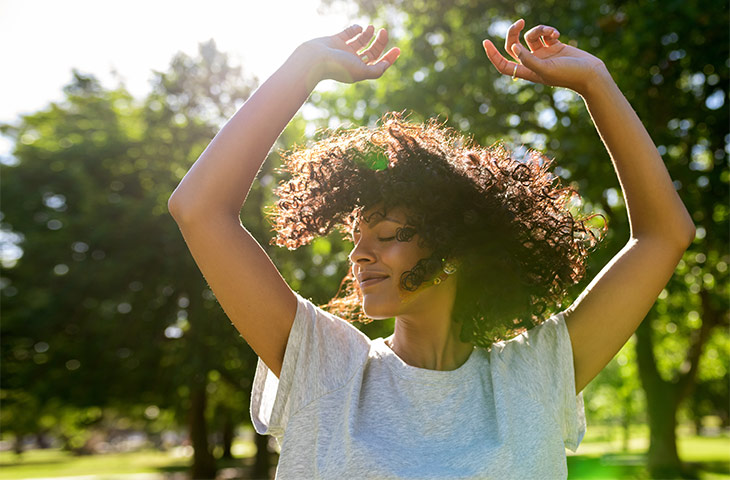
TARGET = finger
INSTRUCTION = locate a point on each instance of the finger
(534, 37)
(391, 56)
(551, 39)
(527, 59)
(376, 70)
(506, 67)
(361, 40)
(349, 32)
(513, 36)
(373, 53)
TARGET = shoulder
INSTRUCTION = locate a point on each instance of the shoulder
(316, 320)
(326, 344)
(547, 338)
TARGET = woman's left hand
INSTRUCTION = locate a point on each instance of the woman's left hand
(548, 60)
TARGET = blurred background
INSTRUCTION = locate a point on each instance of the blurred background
(116, 360)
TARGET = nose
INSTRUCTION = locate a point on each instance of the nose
(361, 252)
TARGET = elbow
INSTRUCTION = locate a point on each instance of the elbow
(685, 230)
(678, 238)
(689, 231)
(686, 235)
(690, 235)
(191, 210)
(173, 206)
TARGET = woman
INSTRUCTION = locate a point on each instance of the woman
(440, 398)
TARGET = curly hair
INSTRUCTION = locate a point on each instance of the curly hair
(507, 221)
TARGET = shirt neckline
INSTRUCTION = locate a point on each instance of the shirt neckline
(409, 372)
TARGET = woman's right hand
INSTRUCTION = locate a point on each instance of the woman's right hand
(339, 57)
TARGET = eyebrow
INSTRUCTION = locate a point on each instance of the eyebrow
(375, 222)
(380, 219)
(389, 220)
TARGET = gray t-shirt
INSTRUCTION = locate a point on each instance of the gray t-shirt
(347, 407)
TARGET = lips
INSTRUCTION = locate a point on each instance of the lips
(372, 281)
(367, 279)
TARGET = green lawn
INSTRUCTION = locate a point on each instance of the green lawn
(598, 457)
(56, 463)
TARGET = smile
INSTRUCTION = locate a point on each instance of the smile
(371, 282)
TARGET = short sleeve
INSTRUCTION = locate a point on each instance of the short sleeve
(542, 358)
(322, 353)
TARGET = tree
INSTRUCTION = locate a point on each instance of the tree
(615, 396)
(106, 299)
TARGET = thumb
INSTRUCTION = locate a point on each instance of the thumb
(527, 58)
(376, 70)
(382, 65)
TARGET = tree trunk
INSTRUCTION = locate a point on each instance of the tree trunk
(696, 413)
(263, 460)
(203, 462)
(663, 397)
(228, 434)
(18, 445)
(662, 400)
(698, 425)
(626, 423)
(663, 461)
(42, 439)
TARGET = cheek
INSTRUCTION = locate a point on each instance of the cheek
(404, 259)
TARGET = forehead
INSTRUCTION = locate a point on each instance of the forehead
(376, 215)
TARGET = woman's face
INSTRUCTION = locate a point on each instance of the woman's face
(378, 261)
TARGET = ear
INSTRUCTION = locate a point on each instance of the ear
(451, 265)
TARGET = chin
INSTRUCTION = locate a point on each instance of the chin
(376, 310)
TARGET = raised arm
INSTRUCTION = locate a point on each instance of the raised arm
(207, 203)
(613, 305)
(222, 177)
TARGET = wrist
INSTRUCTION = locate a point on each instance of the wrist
(307, 59)
(597, 82)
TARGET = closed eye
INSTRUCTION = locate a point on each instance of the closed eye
(386, 239)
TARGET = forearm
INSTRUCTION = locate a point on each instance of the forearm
(653, 205)
(221, 178)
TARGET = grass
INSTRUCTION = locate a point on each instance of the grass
(53, 463)
(598, 457)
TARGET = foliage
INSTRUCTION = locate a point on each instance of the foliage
(106, 307)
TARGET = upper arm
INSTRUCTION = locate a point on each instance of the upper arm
(246, 283)
(610, 309)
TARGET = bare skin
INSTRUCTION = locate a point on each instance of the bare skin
(425, 335)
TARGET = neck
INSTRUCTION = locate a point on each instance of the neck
(428, 338)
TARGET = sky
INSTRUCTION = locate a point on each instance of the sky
(42, 40)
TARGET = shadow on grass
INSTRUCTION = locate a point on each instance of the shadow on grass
(23, 460)
(229, 469)
(716, 467)
(36, 463)
(173, 468)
